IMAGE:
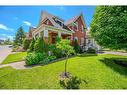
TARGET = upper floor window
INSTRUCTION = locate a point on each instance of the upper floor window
(76, 25)
(82, 28)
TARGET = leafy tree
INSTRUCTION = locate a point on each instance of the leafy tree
(20, 35)
(76, 46)
(31, 46)
(109, 26)
(26, 43)
(39, 45)
(64, 46)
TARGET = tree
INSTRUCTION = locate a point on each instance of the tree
(76, 46)
(31, 46)
(109, 26)
(26, 43)
(39, 45)
(64, 46)
(20, 35)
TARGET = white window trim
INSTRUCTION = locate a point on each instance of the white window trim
(76, 23)
(82, 29)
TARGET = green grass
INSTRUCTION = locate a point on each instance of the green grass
(14, 57)
(95, 70)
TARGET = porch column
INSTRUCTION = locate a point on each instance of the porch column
(46, 35)
(59, 34)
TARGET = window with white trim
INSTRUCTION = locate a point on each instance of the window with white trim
(76, 38)
(82, 28)
(77, 26)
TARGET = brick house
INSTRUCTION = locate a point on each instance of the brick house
(51, 26)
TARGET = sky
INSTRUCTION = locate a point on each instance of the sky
(12, 17)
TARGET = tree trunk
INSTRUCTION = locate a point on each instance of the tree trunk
(66, 66)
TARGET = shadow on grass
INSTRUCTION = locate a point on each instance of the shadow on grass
(87, 54)
(116, 65)
(71, 83)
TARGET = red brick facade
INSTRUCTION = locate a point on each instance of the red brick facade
(79, 30)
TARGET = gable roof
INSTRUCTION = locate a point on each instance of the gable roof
(52, 18)
(74, 19)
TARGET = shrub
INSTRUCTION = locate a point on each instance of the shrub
(91, 50)
(31, 46)
(56, 52)
(48, 59)
(26, 43)
(76, 46)
(39, 45)
(34, 58)
(71, 83)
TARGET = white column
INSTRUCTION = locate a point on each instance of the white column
(59, 34)
(45, 33)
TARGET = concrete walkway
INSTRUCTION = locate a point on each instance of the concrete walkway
(15, 65)
(4, 52)
(21, 64)
(112, 52)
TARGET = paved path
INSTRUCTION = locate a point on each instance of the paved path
(15, 65)
(4, 52)
(21, 65)
(112, 52)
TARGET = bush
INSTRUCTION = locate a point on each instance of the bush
(31, 46)
(26, 43)
(48, 59)
(56, 52)
(76, 46)
(39, 45)
(91, 50)
(34, 58)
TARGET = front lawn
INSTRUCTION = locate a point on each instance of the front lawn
(95, 72)
(14, 57)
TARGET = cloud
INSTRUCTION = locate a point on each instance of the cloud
(27, 23)
(4, 27)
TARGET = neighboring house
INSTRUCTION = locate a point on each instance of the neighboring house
(90, 42)
(1, 41)
(29, 34)
(51, 26)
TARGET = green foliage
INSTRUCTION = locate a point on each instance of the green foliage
(31, 46)
(56, 52)
(71, 83)
(109, 26)
(58, 39)
(26, 43)
(20, 35)
(48, 59)
(39, 45)
(91, 50)
(76, 46)
(34, 58)
(65, 47)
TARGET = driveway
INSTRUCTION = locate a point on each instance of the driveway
(4, 52)
(113, 52)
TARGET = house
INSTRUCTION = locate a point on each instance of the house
(90, 42)
(51, 26)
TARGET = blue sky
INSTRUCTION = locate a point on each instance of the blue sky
(12, 17)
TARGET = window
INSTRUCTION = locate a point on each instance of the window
(77, 26)
(82, 41)
(76, 38)
(82, 29)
